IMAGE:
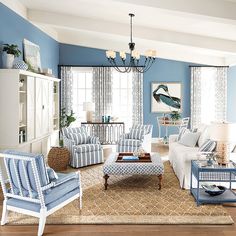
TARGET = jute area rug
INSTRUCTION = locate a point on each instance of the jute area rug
(132, 200)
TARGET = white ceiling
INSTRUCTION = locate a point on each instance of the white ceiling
(201, 31)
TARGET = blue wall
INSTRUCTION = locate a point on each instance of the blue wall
(14, 28)
(162, 70)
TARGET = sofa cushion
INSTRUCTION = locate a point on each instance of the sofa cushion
(87, 148)
(205, 135)
(68, 130)
(182, 132)
(189, 139)
(79, 138)
(208, 146)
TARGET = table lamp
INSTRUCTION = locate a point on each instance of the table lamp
(224, 134)
(89, 107)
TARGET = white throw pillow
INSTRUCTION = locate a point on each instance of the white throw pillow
(189, 139)
(204, 135)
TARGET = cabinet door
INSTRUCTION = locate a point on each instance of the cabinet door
(45, 106)
(50, 106)
(30, 108)
(38, 107)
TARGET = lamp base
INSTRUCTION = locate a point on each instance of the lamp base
(223, 151)
(89, 116)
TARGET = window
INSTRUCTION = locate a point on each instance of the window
(122, 97)
(208, 95)
(82, 91)
(121, 91)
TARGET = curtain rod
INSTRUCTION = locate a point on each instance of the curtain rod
(91, 66)
(210, 66)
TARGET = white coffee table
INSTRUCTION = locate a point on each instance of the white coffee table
(155, 167)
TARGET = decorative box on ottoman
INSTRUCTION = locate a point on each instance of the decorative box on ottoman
(58, 158)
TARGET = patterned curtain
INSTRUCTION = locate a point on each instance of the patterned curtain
(195, 96)
(137, 90)
(102, 91)
(66, 88)
(208, 94)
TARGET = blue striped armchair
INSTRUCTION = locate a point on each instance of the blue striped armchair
(32, 189)
(140, 136)
(84, 149)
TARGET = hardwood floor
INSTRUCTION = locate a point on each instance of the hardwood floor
(127, 230)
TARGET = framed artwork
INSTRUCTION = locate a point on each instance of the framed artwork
(32, 55)
(166, 97)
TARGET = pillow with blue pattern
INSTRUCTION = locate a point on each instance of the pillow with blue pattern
(79, 138)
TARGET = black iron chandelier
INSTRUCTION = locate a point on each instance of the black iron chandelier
(134, 59)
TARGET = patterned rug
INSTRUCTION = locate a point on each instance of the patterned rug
(132, 200)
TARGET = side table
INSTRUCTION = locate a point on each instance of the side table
(215, 173)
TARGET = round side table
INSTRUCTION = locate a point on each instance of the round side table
(58, 158)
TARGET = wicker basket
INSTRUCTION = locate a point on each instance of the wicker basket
(58, 158)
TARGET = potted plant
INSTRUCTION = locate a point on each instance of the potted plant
(66, 120)
(9, 54)
(175, 115)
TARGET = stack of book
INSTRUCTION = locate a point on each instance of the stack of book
(130, 158)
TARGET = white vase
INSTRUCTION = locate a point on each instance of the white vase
(7, 60)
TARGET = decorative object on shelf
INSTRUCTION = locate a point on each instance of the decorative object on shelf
(166, 97)
(225, 134)
(10, 51)
(106, 119)
(21, 65)
(211, 158)
(58, 158)
(32, 55)
(214, 190)
(134, 57)
(21, 83)
(175, 115)
(89, 107)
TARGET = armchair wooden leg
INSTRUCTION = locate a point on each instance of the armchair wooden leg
(4, 213)
(42, 221)
(106, 178)
(160, 182)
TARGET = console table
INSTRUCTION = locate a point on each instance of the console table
(108, 132)
(214, 173)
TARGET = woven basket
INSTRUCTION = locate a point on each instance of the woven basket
(58, 158)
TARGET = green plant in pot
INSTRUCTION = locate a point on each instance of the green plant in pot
(10, 51)
(175, 115)
(66, 120)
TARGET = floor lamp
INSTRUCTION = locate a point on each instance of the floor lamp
(89, 107)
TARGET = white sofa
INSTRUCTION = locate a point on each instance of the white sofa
(180, 156)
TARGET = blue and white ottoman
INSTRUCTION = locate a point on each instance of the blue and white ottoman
(111, 167)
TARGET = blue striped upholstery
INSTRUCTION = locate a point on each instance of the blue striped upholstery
(208, 146)
(19, 165)
(78, 138)
(134, 139)
(84, 150)
(136, 134)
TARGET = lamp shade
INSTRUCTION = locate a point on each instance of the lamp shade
(223, 132)
(88, 106)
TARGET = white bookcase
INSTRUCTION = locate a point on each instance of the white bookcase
(29, 105)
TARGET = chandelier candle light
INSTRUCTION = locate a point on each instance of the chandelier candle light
(134, 58)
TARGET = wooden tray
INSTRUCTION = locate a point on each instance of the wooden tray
(146, 158)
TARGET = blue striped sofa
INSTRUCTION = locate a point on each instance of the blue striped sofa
(30, 188)
(84, 149)
(140, 136)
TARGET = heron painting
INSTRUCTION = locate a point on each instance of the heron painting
(166, 97)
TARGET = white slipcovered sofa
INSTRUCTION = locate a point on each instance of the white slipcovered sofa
(180, 156)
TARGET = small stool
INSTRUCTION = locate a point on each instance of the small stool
(58, 158)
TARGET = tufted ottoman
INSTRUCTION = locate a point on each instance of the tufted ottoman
(155, 167)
